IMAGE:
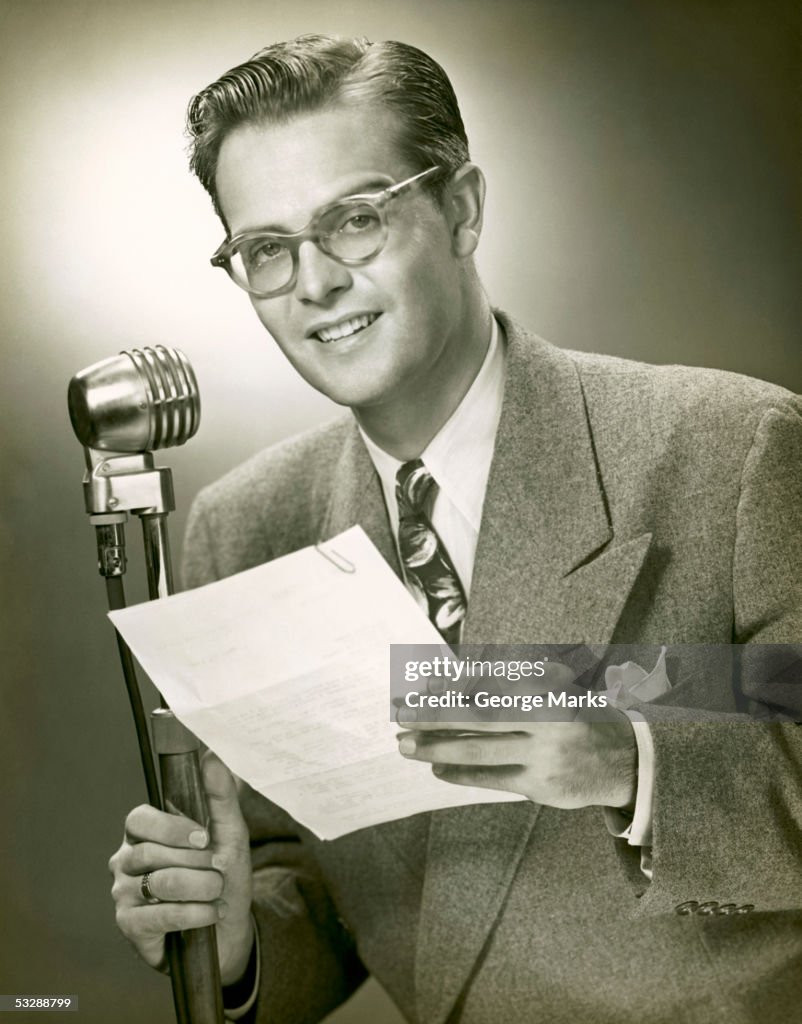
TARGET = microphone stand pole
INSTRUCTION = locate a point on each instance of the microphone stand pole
(118, 483)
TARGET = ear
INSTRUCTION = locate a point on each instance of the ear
(465, 201)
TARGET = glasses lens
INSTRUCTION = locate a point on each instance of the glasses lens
(262, 264)
(352, 231)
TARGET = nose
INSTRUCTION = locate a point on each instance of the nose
(320, 277)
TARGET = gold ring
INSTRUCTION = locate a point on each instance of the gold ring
(147, 892)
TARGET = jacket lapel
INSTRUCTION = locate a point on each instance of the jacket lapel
(547, 570)
(357, 500)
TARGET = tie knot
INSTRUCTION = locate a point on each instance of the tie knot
(414, 483)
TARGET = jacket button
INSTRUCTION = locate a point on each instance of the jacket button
(708, 908)
(687, 908)
(727, 908)
(747, 908)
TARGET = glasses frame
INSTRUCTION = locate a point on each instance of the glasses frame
(294, 240)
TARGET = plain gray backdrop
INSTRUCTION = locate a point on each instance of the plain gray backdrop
(642, 169)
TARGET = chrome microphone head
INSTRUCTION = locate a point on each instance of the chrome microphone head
(137, 401)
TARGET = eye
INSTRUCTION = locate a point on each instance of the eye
(358, 222)
(258, 253)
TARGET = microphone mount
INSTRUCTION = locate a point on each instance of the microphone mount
(122, 409)
(117, 482)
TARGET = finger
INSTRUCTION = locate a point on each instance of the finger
(225, 816)
(146, 823)
(146, 926)
(141, 857)
(503, 778)
(180, 885)
(493, 749)
(426, 719)
(556, 676)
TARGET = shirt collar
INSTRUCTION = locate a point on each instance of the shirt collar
(459, 455)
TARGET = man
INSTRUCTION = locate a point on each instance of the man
(572, 498)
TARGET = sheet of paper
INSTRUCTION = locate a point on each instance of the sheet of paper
(284, 671)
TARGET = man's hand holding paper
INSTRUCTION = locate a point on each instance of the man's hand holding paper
(552, 755)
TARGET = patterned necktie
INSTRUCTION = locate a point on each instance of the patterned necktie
(429, 571)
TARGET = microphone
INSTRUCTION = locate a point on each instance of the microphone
(137, 401)
(122, 409)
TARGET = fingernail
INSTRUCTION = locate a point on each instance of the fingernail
(199, 838)
(218, 861)
(438, 769)
(407, 745)
(405, 715)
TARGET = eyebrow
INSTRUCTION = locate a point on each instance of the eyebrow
(365, 186)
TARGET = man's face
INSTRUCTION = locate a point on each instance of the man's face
(277, 177)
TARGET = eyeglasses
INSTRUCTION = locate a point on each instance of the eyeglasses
(352, 231)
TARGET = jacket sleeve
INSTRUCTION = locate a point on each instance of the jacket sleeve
(727, 823)
(308, 961)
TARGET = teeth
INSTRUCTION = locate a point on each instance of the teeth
(346, 328)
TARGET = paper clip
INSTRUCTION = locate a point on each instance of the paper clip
(336, 559)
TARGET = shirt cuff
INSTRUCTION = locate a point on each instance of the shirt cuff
(637, 828)
(252, 971)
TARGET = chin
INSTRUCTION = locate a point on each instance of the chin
(353, 398)
(359, 387)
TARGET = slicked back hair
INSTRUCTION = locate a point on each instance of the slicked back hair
(316, 72)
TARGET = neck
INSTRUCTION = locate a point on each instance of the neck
(404, 426)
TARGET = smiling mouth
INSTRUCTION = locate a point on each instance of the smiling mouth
(345, 329)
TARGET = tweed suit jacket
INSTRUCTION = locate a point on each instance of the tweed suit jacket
(626, 503)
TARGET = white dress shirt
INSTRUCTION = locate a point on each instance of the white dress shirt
(459, 458)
